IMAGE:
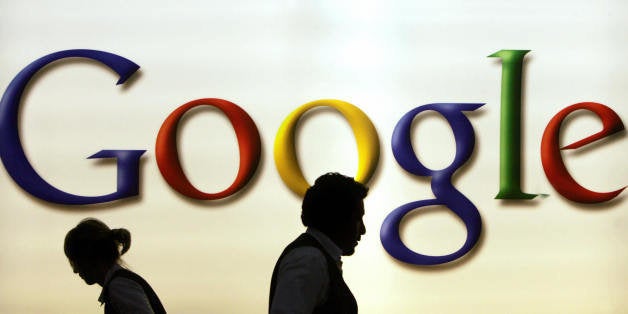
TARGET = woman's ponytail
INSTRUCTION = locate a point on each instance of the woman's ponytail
(122, 237)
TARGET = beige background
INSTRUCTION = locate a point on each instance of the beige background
(543, 256)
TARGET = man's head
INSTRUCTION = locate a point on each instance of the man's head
(334, 206)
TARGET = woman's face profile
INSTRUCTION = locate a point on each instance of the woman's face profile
(86, 270)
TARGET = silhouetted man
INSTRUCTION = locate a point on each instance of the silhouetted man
(308, 275)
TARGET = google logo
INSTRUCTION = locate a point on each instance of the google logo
(287, 163)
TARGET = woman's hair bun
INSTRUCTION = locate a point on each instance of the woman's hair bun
(122, 237)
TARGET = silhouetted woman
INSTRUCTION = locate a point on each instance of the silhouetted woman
(94, 252)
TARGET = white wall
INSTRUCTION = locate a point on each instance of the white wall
(548, 255)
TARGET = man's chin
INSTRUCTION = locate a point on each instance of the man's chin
(348, 252)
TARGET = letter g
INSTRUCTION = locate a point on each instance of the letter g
(444, 191)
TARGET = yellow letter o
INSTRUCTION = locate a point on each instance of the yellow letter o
(363, 129)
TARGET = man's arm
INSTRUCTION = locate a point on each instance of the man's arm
(302, 282)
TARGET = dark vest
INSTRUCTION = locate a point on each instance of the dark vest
(158, 308)
(339, 297)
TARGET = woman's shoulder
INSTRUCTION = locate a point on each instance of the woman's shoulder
(124, 280)
(123, 283)
(128, 295)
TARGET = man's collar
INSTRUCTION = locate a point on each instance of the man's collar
(328, 245)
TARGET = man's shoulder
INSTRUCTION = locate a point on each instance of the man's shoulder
(305, 250)
(304, 254)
